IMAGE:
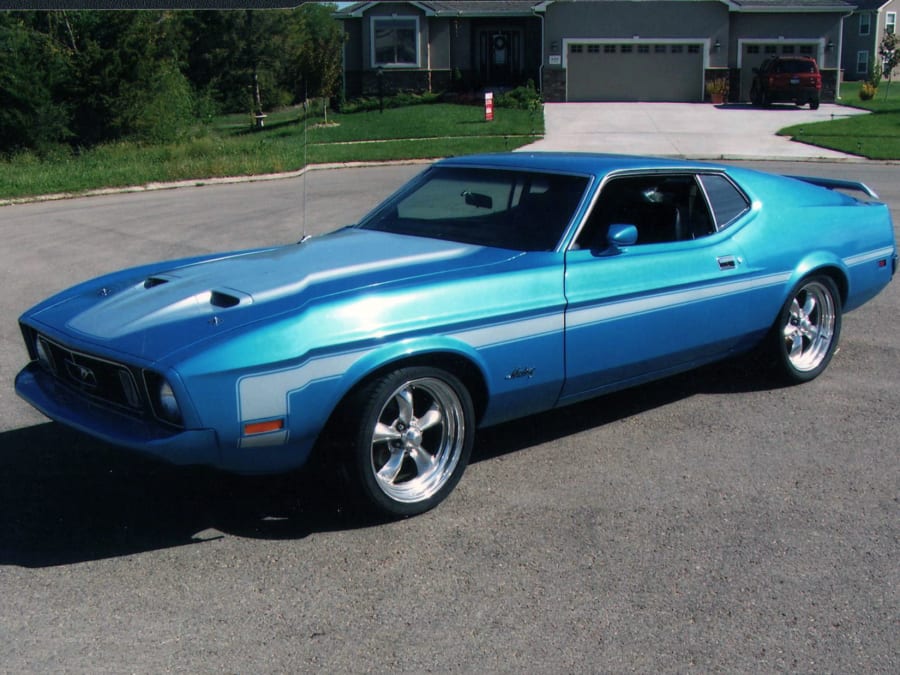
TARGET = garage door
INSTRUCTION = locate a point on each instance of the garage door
(752, 55)
(635, 72)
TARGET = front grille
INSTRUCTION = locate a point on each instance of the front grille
(98, 379)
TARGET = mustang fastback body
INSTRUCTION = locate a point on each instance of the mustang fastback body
(489, 288)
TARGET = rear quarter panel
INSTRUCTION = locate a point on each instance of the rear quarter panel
(798, 228)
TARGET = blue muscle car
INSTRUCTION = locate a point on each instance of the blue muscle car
(488, 288)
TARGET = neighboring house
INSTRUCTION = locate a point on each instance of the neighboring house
(440, 46)
(585, 50)
(863, 32)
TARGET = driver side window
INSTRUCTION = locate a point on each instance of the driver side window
(662, 207)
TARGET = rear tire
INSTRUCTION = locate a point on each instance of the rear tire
(755, 98)
(814, 104)
(407, 438)
(806, 333)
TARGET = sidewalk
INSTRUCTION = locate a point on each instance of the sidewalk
(689, 130)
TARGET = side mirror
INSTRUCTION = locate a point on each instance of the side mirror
(621, 235)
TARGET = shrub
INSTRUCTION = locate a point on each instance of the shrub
(400, 100)
(159, 109)
(523, 98)
(867, 91)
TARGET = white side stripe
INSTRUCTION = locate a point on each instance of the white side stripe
(506, 333)
(869, 256)
(266, 395)
(623, 308)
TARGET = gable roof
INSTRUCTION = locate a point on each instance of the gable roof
(868, 5)
(800, 6)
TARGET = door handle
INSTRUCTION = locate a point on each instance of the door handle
(728, 262)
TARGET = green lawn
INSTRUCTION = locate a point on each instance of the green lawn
(229, 147)
(876, 136)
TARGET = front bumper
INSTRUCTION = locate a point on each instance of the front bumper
(44, 392)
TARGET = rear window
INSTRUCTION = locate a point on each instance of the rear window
(727, 202)
(794, 67)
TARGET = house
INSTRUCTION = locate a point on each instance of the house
(863, 32)
(585, 50)
(440, 46)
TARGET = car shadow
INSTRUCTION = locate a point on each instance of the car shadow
(66, 498)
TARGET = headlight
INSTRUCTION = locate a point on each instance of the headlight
(162, 398)
(168, 406)
(43, 354)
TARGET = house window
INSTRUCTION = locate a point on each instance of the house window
(753, 49)
(865, 23)
(626, 49)
(890, 22)
(862, 63)
(659, 49)
(593, 49)
(643, 49)
(677, 49)
(693, 49)
(609, 49)
(787, 49)
(806, 50)
(395, 41)
(576, 49)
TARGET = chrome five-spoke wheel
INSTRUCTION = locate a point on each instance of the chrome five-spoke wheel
(809, 328)
(414, 439)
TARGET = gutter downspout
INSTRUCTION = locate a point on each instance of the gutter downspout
(543, 56)
(840, 57)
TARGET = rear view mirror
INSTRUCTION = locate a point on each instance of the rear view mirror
(478, 200)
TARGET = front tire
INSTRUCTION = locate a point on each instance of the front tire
(411, 435)
(808, 328)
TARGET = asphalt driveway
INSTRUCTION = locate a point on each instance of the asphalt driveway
(690, 130)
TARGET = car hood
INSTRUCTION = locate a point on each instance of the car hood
(168, 308)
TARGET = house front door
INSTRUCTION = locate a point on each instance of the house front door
(500, 53)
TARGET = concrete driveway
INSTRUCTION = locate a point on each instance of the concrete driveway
(690, 130)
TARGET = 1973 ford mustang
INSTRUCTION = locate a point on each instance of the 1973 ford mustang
(488, 288)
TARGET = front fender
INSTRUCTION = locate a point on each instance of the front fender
(428, 347)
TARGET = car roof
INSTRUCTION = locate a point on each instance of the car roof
(584, 163)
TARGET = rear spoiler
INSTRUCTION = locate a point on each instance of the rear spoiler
(836, 184)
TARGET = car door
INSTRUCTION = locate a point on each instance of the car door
(669, 300)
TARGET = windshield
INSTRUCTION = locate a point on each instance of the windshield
(519, 210)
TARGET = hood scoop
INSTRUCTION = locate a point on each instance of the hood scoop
(158, 299)
(217, 298)
(223, 300)
(154, 281)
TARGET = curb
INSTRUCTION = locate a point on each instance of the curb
(203, 182)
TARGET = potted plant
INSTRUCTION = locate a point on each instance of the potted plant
(717, 89)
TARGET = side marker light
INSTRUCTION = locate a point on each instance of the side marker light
(263, 427)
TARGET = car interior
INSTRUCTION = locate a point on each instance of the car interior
(663, 208)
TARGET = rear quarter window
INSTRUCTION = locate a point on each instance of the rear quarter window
(727, 202)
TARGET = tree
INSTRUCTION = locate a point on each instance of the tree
(890, 58)
(313, 43)
(87, 77)
(34, 70)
